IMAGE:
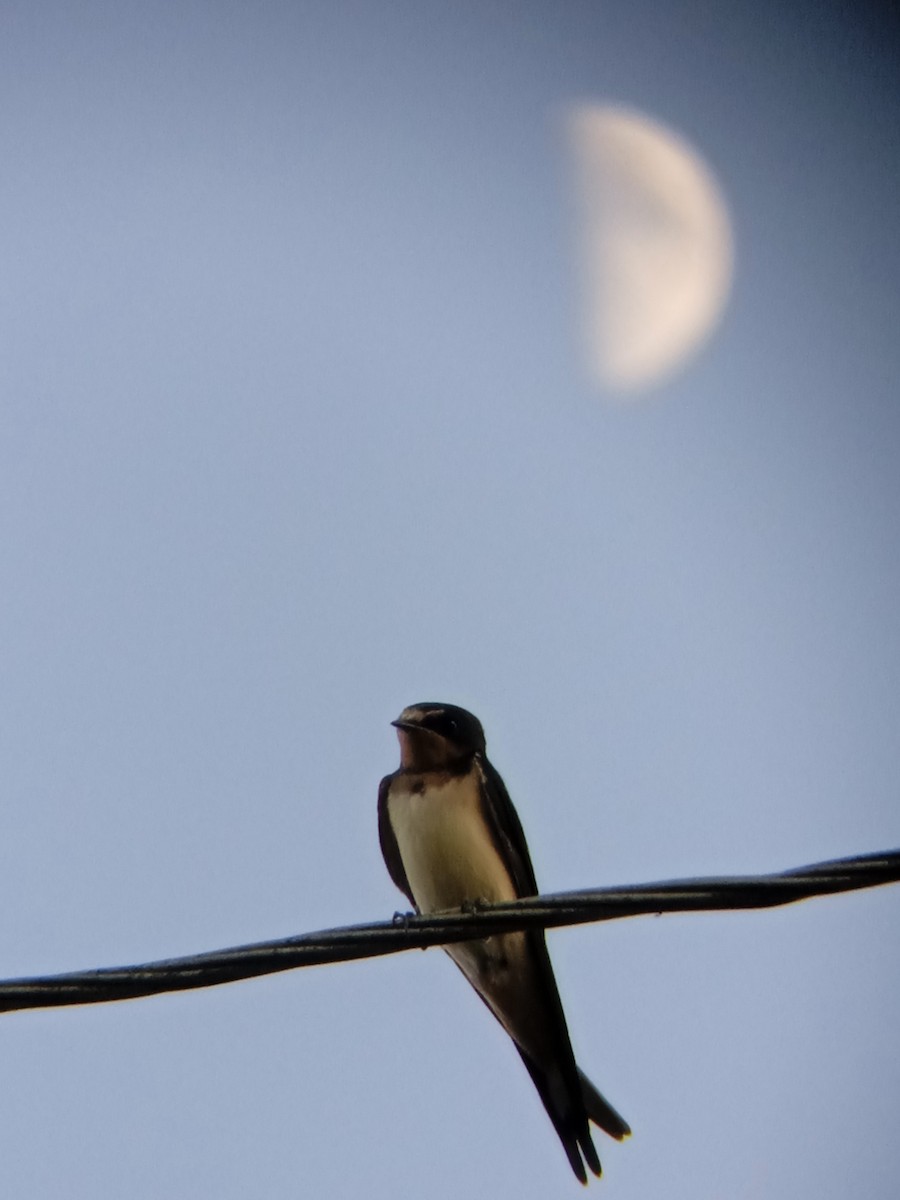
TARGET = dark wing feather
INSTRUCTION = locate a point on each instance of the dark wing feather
(389, 848)
(582, 1102)
(570, 1124)
(504, 821)
(556, 1077)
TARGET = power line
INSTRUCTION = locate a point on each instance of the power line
(418, 932)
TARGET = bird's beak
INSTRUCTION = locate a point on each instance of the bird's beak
(399, 724)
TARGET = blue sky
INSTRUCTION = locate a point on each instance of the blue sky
(294, 432)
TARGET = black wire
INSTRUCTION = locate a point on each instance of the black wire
(412, 932)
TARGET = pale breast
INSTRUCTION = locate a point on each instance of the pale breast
(447, 849)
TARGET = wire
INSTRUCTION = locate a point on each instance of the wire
(408, 932)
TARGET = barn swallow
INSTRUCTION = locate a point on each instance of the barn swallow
(450, 839)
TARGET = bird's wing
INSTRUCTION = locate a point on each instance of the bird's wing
(503, 820)
(389, 848)
(554, 1072)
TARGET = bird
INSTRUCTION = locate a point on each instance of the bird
(451, 839)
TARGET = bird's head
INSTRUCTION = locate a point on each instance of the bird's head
(437, 735)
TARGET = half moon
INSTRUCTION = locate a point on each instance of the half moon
(655, 244)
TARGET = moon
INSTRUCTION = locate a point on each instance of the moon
(655, 246)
